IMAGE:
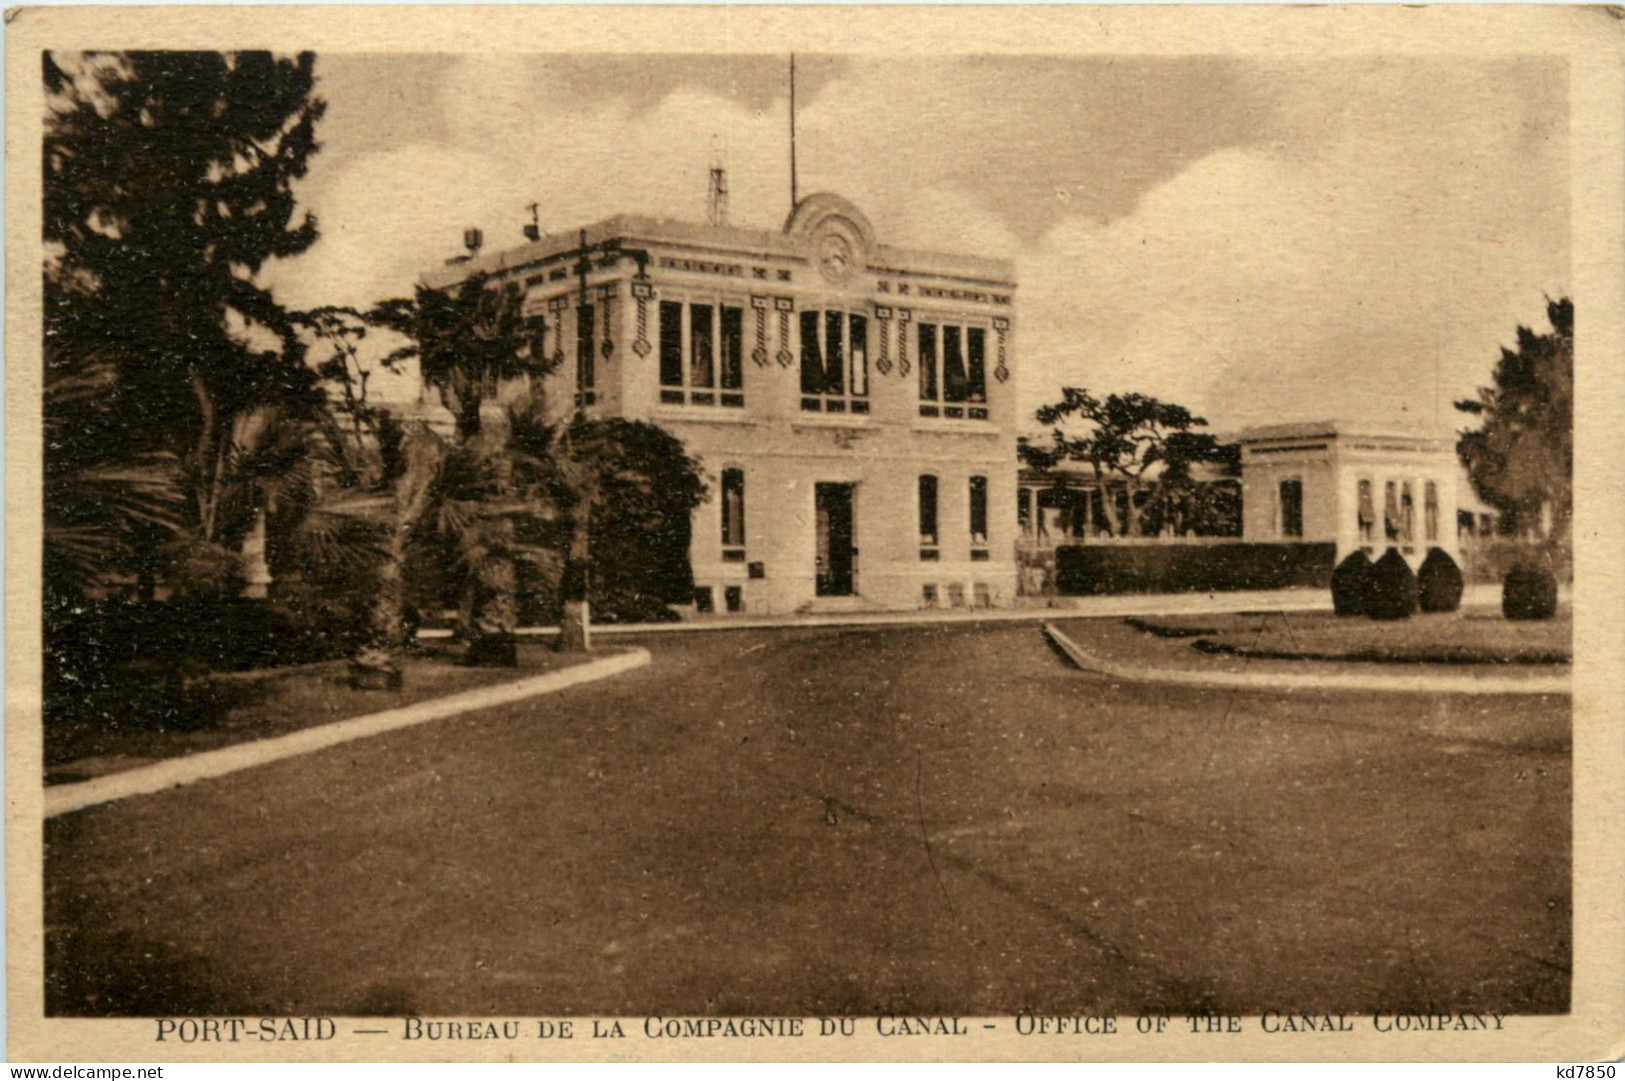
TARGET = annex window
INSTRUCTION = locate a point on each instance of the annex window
(1292, 508)
(701, 361)
(834, 362)
(953, 371)
(928, 517)
(1390, 510)
(1430, 510)
(1366, 512)
(586, 376)
(978, 518)
(1024, 511)
(1407, 514)
(733, 515)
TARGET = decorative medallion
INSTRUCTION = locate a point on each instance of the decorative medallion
(835, 257)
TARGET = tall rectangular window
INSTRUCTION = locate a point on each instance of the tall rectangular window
(1390, 510)
(928, 369)
(733, 337)
(733, 515)
(671, 351)
(834, 362)
(1292, 508)
(928, 516)
(700, 355)
(586, 341)
(953, 371)
(1365, 515)
(1024, 510)
(1430, 505)
(978, 517)
(1407, 514)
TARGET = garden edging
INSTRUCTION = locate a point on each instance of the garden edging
(189, 769)
(1409, 682)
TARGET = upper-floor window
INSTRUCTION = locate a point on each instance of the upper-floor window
(1292, 508)
(586, 376)
(733, 515)
(701, 354)
(953, 371)
(834, 362)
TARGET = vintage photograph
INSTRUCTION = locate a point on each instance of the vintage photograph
(805, 533)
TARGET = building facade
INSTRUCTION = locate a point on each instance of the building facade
(1359, 488)
(852, 403)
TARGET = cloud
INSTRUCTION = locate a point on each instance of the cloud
(1264, 242)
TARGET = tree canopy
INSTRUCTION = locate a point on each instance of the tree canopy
(1136, 441)
(167, 185)
(1521, 457)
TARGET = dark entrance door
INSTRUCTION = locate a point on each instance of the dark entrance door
(835, 552)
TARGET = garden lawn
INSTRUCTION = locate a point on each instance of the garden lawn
(227, 708)
(1473, 637)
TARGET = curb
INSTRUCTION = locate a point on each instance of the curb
(1114, 606)
(189, 769)
(1335, 681)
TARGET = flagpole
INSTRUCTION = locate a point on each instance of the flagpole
(793, 199)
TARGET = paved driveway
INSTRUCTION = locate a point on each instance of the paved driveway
(902, 820)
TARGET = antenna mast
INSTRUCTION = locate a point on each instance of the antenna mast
(793, 199)
(716, 211)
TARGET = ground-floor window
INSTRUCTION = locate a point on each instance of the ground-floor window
(701, 354)
(733, 515)
(1292, 508)
(953, 376)
(1390, 510)
(929, 549)
(1430, 510)
(1407, 514)
(978, 518)
(834, 362)
(1366, 512)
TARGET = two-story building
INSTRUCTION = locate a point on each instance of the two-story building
(852, 402)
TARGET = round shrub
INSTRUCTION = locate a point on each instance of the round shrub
(1350, 582)
(1390, 588)
(1529, 592)
(1439, 582)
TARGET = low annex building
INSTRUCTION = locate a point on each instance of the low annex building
(852, 403)
(1359, 488)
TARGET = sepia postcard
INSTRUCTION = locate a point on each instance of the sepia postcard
(815, 533)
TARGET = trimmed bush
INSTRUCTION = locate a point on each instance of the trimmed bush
(1350, 583)
(1530, 592)
(1390, 588)
(1439, 582)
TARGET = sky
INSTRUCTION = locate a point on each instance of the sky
(1262, 241)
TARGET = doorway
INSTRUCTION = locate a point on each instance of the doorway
(837, 559)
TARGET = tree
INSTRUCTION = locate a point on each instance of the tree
(1145, 446)
(467, 341)
(167, 185)
(1521, 457)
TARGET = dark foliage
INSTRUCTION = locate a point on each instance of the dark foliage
(1530, 592)
(1089, 569)
(1522, 457)
(168, 182)
(1351, 583)
(1391, 588)
(1439, 582)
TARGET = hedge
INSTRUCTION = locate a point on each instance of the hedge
(1092, 569)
